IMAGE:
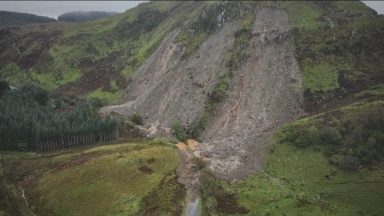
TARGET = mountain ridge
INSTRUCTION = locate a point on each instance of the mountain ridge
(84, 16)
(10, 18)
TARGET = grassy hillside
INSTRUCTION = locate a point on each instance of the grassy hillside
(336, 46)
(136, 178)
(92, 59)
(337, 49)
(321, 171)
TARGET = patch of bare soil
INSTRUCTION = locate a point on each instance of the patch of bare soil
(72, 163)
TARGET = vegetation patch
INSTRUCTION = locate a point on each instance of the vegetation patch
(320, 78)
(349, 137)
(179, 131)
(106, 96)
(374, 92)
(216, 199)
(51, 81)
(28, 122)
(14, 75)
(303, 16)
(336, 46)
(136, 118)
(166, 199)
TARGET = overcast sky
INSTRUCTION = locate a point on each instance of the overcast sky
(55, 8)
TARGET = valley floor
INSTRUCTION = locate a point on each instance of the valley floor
(140, 177)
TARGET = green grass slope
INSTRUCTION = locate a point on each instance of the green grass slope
(338, 49)
(137, 178)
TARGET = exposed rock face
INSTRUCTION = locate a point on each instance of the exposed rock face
(265, 91)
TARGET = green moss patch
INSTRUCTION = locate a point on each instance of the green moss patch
(111, 96)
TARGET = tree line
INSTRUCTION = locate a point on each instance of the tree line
(28, 122)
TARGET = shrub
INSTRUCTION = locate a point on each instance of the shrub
(349, 162)
(302, 200)
(179, 131)
(306, 137)
(220, 90)
(128, 125)
(303, 141)
(3, 87)
(136, 118)
(199, 125)
(35, 93)
(331, 135)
